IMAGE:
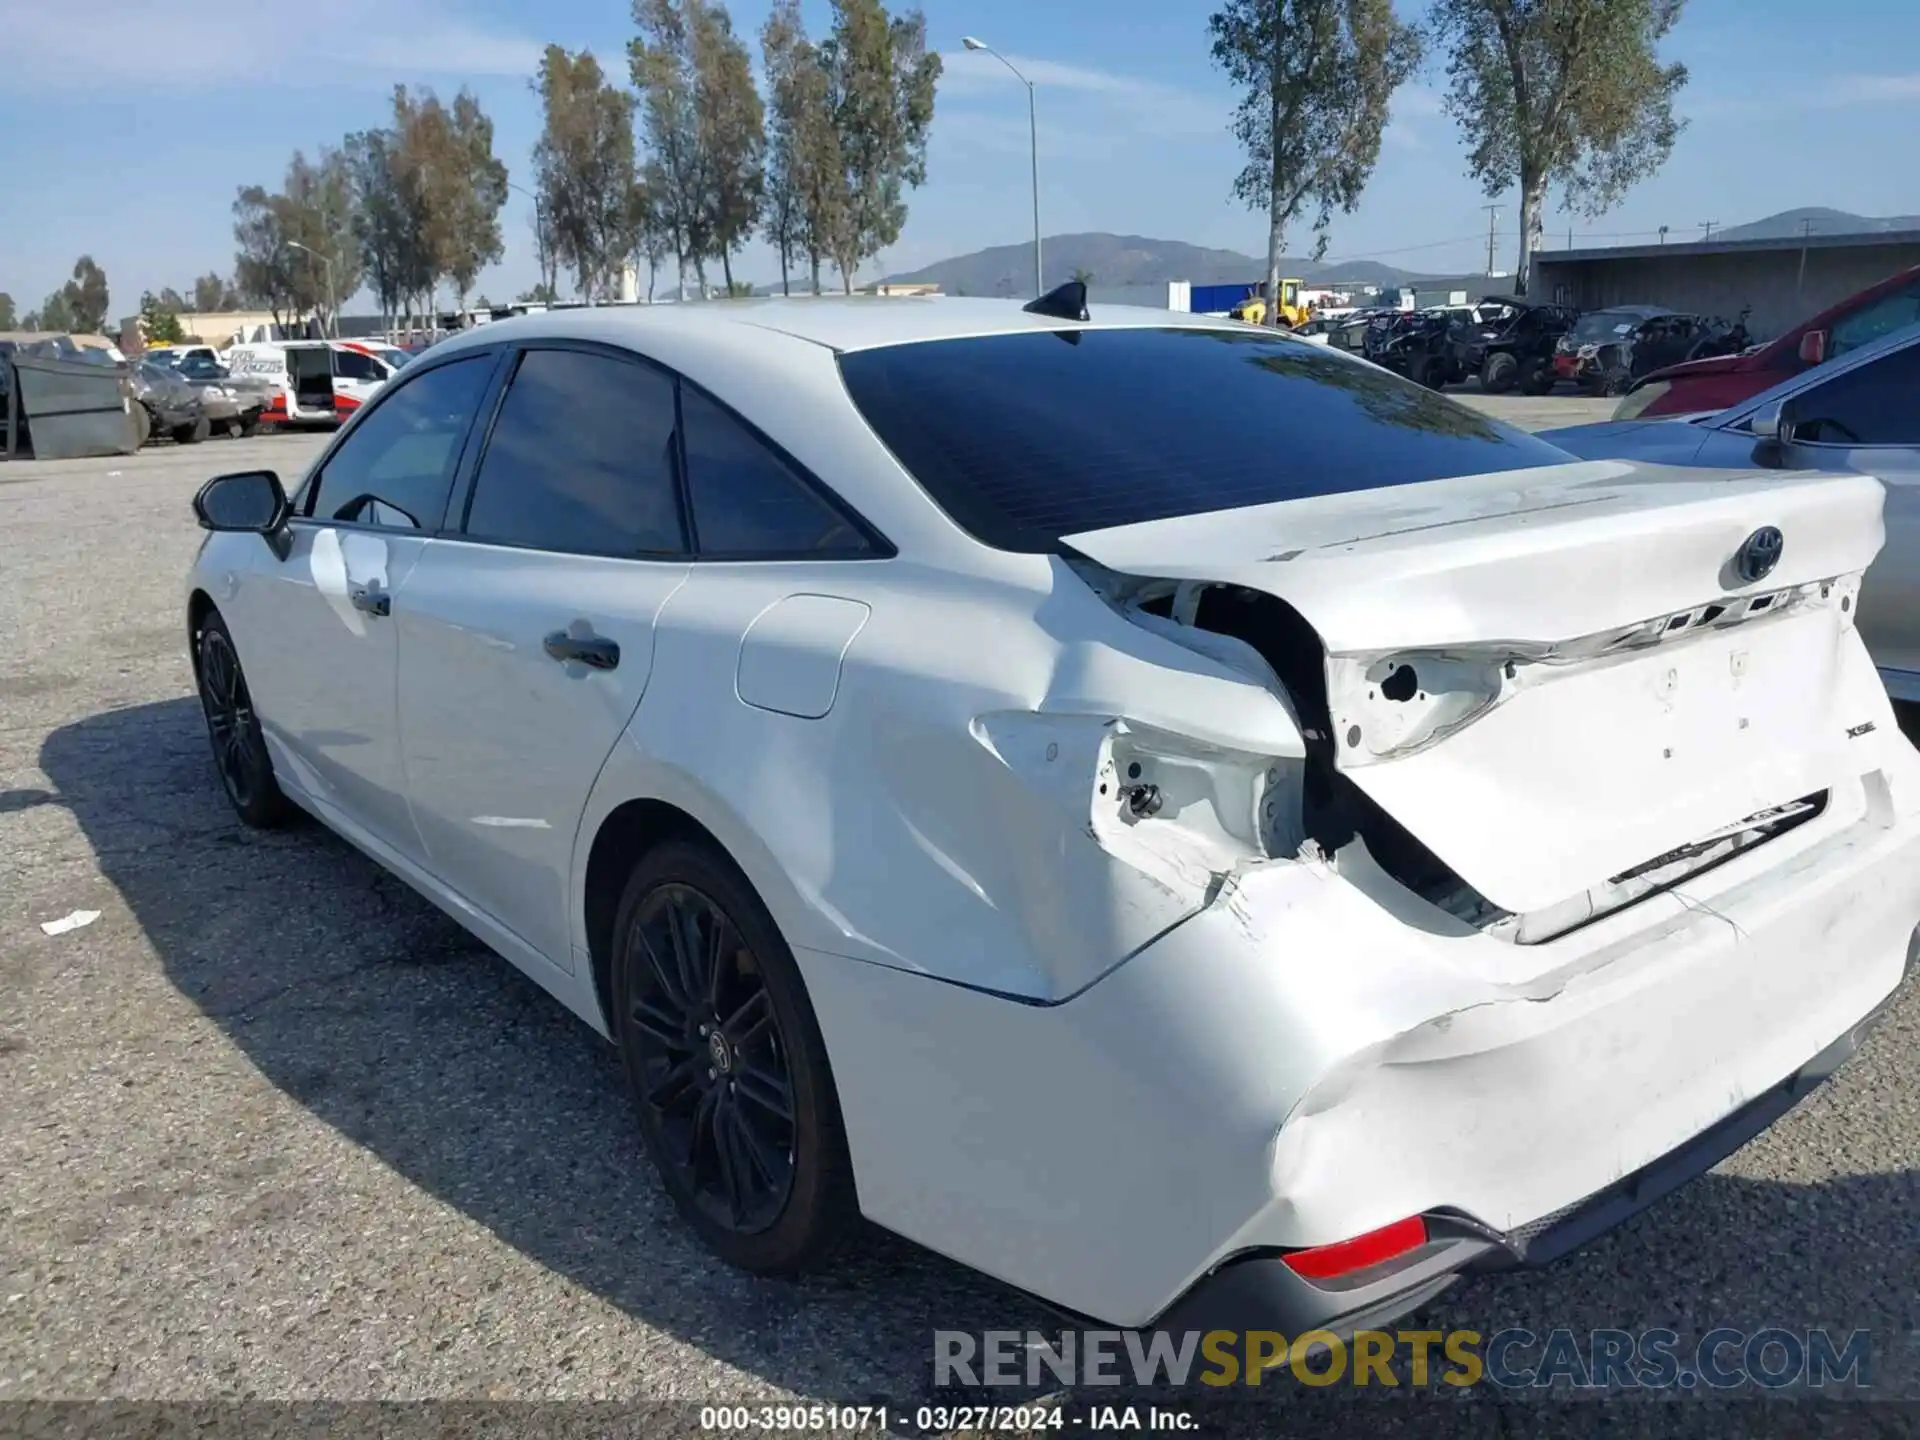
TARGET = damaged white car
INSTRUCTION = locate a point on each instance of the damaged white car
(1203, 877)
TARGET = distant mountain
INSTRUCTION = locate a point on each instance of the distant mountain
(1818, 220)
(1119, 260)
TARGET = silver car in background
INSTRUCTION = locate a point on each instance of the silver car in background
(1859, 413)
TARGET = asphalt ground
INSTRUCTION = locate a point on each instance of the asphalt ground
(272, 1128)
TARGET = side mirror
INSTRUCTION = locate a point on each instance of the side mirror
(1772, 433)
(247, 502)
(1813, 347)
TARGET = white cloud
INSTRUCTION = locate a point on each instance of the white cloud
(1101, 99)
(1410, 122)
(1873, 88)
(136, 44)
(972, 71)
(1833, 92)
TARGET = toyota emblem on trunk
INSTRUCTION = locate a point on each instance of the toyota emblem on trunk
(1758, 554)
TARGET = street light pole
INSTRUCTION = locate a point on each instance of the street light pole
(333, 316)
(539, 233)
(1033, 143)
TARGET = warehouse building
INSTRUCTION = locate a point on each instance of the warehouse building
(1785, 281)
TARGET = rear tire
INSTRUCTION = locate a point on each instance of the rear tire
(1537, 380)
(1498, 375)
(728, 1068)
(193, 434)
(233, 729)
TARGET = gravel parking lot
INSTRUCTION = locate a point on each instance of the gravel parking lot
(271, 1126)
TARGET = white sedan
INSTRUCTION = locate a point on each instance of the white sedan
(1200, 877)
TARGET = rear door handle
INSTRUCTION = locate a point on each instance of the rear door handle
(594, 651)
(372, 601)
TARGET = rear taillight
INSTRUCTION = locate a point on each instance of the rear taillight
(1346, 1257)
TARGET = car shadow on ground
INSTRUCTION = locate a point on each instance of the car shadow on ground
(364, 1004)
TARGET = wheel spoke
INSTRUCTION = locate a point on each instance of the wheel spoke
(765, 1088)
(753, 1020)
(718, 955)
(662, 972)
(733, 1178)
(671, 1090)
(221, 674)
(660, 1024)
(686, 953)
(708, 1147)
(759, 1156)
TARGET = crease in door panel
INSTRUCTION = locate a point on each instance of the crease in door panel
(575, 898)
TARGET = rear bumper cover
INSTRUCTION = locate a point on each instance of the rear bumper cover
(1259, 1292)
(1315, 1055)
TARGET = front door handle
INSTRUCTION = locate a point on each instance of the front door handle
(371, 600)
(594, 651)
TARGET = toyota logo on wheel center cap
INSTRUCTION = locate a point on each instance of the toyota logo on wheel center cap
(719, 1052)
(1758, 554)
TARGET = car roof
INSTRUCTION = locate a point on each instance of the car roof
(1642, 310)
(1520, 302)
(838, 323)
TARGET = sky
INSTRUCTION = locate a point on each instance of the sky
(129, 124)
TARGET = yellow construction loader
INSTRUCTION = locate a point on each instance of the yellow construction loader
(1253, 309)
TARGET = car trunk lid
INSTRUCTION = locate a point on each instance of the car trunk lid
(1551, 677)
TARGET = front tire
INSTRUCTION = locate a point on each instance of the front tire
(1497, 376)
(233, 728)
(729, 1071)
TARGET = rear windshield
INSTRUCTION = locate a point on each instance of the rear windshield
(1026, 438)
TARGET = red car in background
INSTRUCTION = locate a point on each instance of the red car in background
(1705, 386)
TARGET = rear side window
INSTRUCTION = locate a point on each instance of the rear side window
(1026, 438)
(581, 460)
(352, 365)
(747, 501)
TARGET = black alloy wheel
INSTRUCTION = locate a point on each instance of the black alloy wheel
(729, 1071)
(233, 728)
(716, 1085)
